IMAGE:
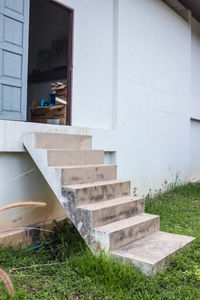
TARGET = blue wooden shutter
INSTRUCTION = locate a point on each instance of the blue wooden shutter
(14, 29)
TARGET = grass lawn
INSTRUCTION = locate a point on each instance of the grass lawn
(74, 273)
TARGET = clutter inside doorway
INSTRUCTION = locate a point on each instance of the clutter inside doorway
(53, 109)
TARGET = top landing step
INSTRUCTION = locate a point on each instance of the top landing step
(62, 141)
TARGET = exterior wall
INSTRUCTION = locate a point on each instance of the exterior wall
(195, 69)
(12, 133)
(194, 150)
(133, 89)
(194, 169)
(145, 48)
(153, 93)
(92, 63)
(16, 187)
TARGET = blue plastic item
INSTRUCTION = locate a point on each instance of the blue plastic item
(36, 247)
(53, 98)
(44, 102)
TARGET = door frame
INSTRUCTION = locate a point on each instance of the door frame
(69, 57)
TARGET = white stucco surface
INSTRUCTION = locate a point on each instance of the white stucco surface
(21, 181)
(12, 132)
(194, 171)
(195, 70)
(92, 63)
(153, 93)
(135, 88)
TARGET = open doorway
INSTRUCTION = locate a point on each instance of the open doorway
(50, 63)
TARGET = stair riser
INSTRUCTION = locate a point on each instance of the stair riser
(62, 141)
(71, 157)
(102, 193)
(122, 211)
(88, 175)
(134, 233)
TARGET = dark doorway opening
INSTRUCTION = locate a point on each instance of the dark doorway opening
(50, 63)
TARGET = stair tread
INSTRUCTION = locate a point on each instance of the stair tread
(82, 166)
(93, 184)
(153, 248)
(61, 134)
(73, 150)
(68, 149)
(109, 203)
(125, 223)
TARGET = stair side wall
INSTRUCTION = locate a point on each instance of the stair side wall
(80, 218)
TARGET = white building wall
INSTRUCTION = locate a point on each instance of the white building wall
(195, 69)
(194, 169)
(21, 181)
(154, 88)
(149, 49)
(131, 91)
(92, 63)
(194, 172)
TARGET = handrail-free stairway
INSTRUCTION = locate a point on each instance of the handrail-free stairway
(100, 206)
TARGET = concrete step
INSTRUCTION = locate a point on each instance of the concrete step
(88, 174)
(123, 232)
(74, 157)
(62, 141)
(98, 191)
(105, 212)
(151, 252)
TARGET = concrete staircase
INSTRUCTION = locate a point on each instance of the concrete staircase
(100, 206)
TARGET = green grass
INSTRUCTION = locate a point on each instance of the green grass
(77, 274)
